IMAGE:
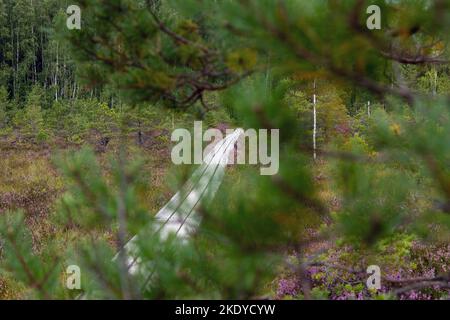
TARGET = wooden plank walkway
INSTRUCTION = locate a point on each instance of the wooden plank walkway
(178, 215)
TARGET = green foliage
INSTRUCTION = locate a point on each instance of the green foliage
(379, 171)
(92, 196)
(37, 270)
(157, 56)
(30, 119)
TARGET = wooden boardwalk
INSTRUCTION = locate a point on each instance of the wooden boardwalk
(178, 216)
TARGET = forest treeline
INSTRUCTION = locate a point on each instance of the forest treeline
(39, 80)
(31, 54)
(37, 75)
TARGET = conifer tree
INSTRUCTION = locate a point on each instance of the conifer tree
(388, 168)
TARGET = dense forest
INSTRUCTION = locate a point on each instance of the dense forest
(361, 101)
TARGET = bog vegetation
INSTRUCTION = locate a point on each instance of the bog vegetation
(364, 178)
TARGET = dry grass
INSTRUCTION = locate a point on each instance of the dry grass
(29, 182)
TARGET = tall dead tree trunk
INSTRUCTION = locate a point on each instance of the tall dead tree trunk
(34, 46)
(56, 71)
(17, 58)
(12, 59)
(314, 122)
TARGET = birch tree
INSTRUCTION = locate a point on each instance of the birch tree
(314, 120)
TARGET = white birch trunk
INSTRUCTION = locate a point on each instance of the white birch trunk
(17, 58)
(34, 48)
(74, 90)
(13, 61)
(314, 121)
(56, 71)
(435, 82)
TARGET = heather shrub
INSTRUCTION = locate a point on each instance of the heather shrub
(339, 272)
